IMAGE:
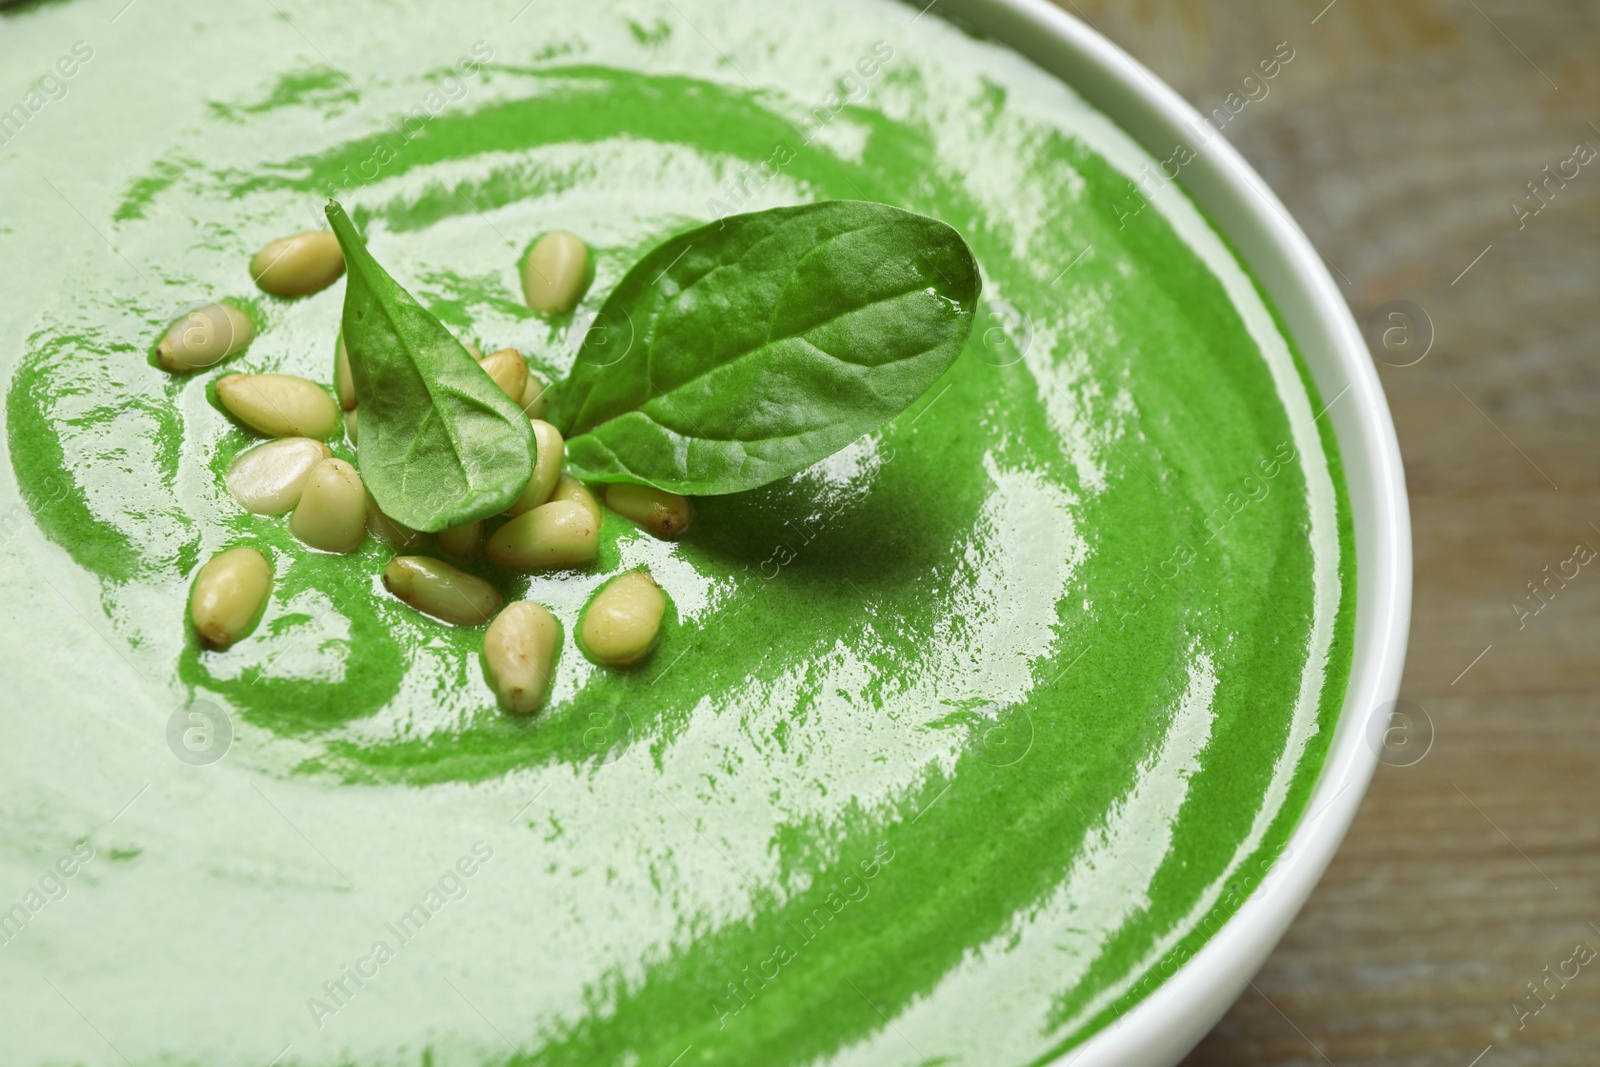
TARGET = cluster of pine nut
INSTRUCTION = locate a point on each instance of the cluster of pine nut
(553, 524)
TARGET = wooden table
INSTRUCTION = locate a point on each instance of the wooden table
(1400, 136)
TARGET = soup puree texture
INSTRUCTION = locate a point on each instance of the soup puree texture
(954, 744)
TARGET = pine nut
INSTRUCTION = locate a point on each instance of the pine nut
(205, 336)
(388, 530)
(351, 417)
(229, 593)
(569, 488)
(435, 588)
(561, 534)
(332, 513)
(509, 371)
(549, 453)
(519, 654)
(473, 350)
(667, 515)
(267, 479)
(623, 620)
(556, 273)
(344, 383)
(278, 405)
(461, 541)
(534, 401)
(299, 264)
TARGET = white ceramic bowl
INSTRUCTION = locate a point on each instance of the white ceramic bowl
(1162, 1028)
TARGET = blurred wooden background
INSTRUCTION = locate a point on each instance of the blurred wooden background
(1400, 135)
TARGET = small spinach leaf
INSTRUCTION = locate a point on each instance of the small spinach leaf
(741, 352)
(440, 445)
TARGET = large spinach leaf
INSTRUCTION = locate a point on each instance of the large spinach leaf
(741, 352)
(441, 445)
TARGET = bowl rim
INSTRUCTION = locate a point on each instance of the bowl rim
(1165, 1025)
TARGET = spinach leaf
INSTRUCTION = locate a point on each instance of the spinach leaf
(440, 445)
(741, 352)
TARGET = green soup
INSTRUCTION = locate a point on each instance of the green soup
(954, 745)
